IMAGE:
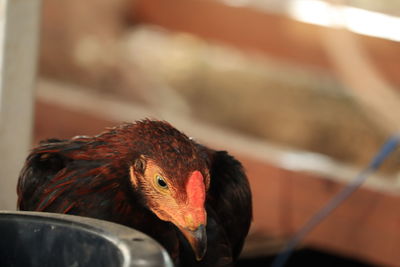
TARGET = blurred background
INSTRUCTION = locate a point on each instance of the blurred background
(303, 92)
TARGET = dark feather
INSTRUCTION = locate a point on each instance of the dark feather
(230, 197)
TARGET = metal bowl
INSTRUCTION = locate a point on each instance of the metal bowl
(48, 239)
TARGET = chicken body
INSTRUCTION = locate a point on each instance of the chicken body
(151, 177)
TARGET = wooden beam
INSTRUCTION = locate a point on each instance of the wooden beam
(275, 35)
(19, 25)
(364, 226)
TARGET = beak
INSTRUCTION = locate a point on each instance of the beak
(197, 239)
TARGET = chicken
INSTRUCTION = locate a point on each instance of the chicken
(149, 176)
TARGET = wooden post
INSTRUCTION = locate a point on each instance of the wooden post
(19, 30)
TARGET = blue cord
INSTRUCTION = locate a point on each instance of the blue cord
(390, 145)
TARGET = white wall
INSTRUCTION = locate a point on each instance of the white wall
(19, 30)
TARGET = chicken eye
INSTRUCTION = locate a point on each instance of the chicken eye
(161, 182)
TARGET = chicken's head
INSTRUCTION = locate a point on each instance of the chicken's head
(171, 174)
